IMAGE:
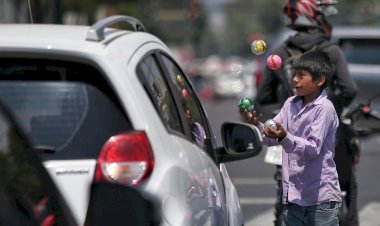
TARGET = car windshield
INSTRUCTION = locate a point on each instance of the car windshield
(361, 51)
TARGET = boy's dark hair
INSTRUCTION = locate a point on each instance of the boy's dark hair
(317, 63)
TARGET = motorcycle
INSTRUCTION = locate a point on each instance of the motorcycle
(364, 118)
(273, 155)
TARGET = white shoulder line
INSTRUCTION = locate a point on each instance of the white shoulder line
(368, 216)
(264, 219)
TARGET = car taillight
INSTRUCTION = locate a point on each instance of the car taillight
(125, 158)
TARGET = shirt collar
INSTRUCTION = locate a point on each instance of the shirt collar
(316, 101)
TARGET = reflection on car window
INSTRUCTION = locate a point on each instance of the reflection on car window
(190, 107)
(361, 51)
(152, 79)
(49, 111)
(25, 198)
(197, 131)
(60, 107)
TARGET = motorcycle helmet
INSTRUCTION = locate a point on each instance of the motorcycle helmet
(305, 14)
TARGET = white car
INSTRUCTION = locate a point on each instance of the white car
(249, 79)
(104, 104)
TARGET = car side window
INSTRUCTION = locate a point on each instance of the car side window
(155, 85)
(189, 105)
(361, 51)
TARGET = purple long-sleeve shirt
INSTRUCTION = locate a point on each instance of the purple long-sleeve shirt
(309, 175)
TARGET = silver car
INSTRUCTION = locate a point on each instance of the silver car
(105, 104)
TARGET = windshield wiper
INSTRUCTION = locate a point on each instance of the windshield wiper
(45, 149)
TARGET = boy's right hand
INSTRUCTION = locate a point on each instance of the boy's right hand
(279, 133)
(251, 117)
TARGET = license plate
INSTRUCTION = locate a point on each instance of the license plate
(274, 155)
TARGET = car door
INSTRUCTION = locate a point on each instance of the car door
(184, 158)
(198, 131)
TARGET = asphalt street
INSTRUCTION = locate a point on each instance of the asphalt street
(256, 187)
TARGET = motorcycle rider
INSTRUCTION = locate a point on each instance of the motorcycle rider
(308, 19)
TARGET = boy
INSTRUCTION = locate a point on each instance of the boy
(306, 129)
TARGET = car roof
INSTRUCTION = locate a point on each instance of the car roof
(68, 39)
(340, 31)
(356, 32)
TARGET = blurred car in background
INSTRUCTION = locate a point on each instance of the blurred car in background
(249, 80)
(223, 78)
(228, 85)
(105, 104)
(28, 195)
(362, 50)
(200, 79)
(359, 44)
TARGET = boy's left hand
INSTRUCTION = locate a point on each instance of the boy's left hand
(251, 117)
(279, 134)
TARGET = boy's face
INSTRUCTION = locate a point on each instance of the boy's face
(304, 84)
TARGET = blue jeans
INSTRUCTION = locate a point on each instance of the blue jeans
(324, 214)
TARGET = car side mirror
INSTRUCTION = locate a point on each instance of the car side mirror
(116, 204)
(240, 141)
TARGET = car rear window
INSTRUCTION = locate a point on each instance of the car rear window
(49, 111)
(65, 119)
(361, 51)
